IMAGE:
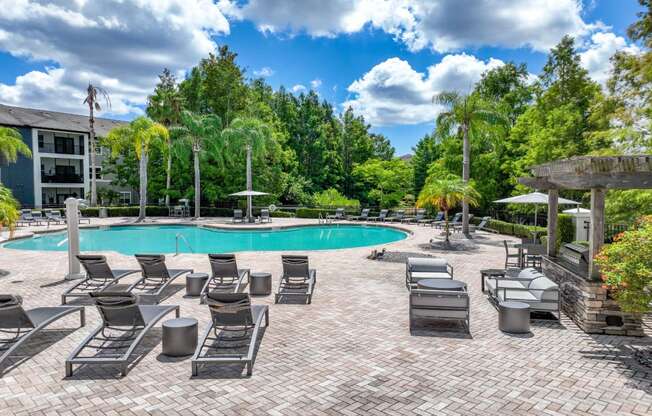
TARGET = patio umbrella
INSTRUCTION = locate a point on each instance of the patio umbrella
(249, 194)
(535, 198)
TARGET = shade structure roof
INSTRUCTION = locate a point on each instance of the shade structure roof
(533, 198)
(249, 193)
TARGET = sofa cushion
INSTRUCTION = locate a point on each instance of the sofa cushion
(544, 288)
(417, 264)
(529, 273)
(430, 275)
(522, 295)
(492, 284)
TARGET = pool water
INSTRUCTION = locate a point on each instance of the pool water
(163, 239)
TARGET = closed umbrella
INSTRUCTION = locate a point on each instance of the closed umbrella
(249, 194)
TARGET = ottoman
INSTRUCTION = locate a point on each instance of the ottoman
(514, 317)
(261, 284)
(179, 337)
(195, 283)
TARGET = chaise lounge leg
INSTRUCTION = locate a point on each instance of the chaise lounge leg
(123, 370)
(267, 317)
(68, 369)
(249, 369)
(82, 316)
(195, 370)
(63, 299)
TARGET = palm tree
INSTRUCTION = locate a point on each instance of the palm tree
(199, 131)
(143, 134)
(11, 145)
(445, 194)
(165, 106)
(9, 213)
(466, 115)
(254, 136)
(93, 94)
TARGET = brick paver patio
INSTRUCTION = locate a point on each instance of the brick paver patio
(350, 352)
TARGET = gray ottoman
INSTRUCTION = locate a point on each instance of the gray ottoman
(179, 337)
(514, 317)
(195, 283)
(261, 284)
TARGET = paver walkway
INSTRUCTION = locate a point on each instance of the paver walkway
(350, 352)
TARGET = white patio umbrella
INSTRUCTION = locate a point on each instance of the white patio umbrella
(249, 194)
(536, 198)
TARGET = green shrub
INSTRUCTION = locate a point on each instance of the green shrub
(282, 214)
(332, 198)
(517, 230)
(565, 229)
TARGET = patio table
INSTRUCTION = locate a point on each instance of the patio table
(441, 284)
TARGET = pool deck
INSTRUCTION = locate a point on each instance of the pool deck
(350, 352)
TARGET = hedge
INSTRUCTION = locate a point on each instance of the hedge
(518, 230)
(157, 211)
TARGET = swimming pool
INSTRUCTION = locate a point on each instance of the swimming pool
(163, 239)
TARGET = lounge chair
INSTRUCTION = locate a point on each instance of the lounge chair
(99, 276)
(339, 215)
(440, 305)
(39, 218)
(430, 221)
(264, 216)
(237, 216)
(381, 216)
(26, 218)
(82, 219)
(225, 276)
(511, 259)
(53, 216)
(124, 325)
(231, 337)
(364, 215)
(458, 226)
(420, 215)
(417, 268)
(156, 276)
(298, 279)
(397, 217)
(482, 226)
(17, 325)
(457, 219)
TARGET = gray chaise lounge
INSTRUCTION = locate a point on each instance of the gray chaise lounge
(339, 215)
(264, 215)
(237, 216)
(156, 276)
(298, 279)
(17, 325)
(225, 275)
(231, 337)
(364, 215)
(99, 276)
(124, 325)
(381, 216)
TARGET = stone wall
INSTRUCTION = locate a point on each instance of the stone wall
(587, 304)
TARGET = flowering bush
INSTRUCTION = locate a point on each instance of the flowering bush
(626, 267)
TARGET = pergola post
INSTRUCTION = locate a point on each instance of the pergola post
(553, 205)
(596, 231)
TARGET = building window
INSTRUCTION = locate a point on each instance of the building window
(125, 198)
(98, 172)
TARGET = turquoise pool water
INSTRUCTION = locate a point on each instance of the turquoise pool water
(162, 239)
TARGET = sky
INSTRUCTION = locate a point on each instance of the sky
(384, 58)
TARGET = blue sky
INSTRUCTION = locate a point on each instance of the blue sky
(385, 58)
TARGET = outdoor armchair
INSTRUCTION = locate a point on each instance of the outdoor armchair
(124, 325)
(298, 279)
(417, 268)
(511, 259)
(18, 325)
(232, 334)
(99, 276)
(440, 305)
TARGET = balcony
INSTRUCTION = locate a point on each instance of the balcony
(64, 148)
(61, 178)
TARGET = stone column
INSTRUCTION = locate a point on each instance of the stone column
(553, 206)
(596, 230)
(72, 225)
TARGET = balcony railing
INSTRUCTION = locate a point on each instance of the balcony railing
(61, 178)
(61, 149)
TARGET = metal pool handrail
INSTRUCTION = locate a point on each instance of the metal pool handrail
(182, 237)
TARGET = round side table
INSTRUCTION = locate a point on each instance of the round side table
(179, 337)
(261, 284)
(195, 283)
(514, 317)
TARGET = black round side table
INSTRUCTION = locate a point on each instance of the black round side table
(261, 284)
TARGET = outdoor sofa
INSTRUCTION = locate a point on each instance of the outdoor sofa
(440, 305)
(528, 286)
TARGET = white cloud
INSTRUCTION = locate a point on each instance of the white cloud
(315, 83)
(392, 92)
(596, 57)
(299, 88)
(264, 72)
(442, 25)
(120, 45)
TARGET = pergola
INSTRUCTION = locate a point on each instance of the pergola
(595, 173)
